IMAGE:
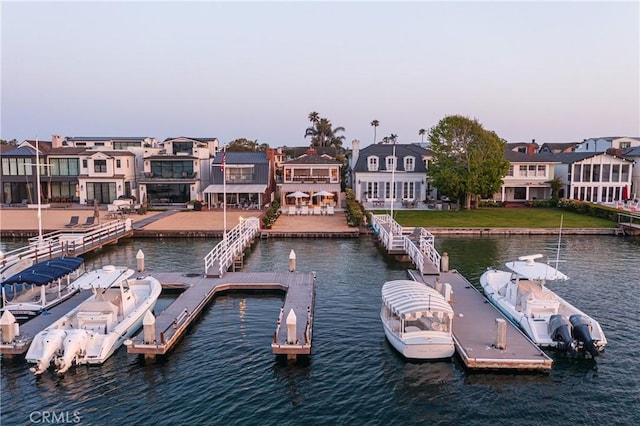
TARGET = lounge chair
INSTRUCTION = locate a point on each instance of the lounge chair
(292, 210)
(75, 221)
(317, 211)
(91, 220)
(330, 210)
(305, 210)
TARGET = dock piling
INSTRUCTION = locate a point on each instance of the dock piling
(292, 261)
(447, 291)
(291, 327)
(9, 327)
(501, 334)
(149, 328)
(444, 262)
(140, 260)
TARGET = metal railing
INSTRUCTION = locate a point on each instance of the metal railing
(232, 245)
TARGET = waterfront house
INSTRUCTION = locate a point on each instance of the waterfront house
(592, 176)
(605, 143)
(311, 173)
(378, 167)
(105, 175)
(527, 178)
(246, 178)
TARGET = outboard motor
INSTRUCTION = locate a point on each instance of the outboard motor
(582, 333)
(560, 331)
(74, 345)
(52, 344)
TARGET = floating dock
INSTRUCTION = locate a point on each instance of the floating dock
(475, 330)
(294, 323)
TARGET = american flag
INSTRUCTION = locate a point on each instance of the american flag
(224, 161)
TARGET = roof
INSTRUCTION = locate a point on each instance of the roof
(405, 297)
(521, 157)
(312, 159)
(558, 146)
(106, 138)
(45, 272)
(242, 157)
(240, 188)
(570, 157)
(384, 150)
(193, 139)
(321, 150)
(23, 151)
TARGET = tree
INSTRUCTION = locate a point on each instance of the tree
(422, 132)
(323, 133)
(468, 161)
(556, 186)
(246, 145)
(375, 124)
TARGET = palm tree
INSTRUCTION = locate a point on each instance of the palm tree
(375, 124)
(324, 134)
(421, 132)
(314, 117)
(393, 138)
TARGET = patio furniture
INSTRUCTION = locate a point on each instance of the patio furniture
(330, 210)
(317, 211)
(292, 210)
(75, 221)
(91, 220)
(304, 210)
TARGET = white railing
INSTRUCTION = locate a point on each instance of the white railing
(70, 242)
(232, 245)
(391, 238)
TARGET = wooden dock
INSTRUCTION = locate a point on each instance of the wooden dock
(29, 329)
(171, 324)
(474, 330)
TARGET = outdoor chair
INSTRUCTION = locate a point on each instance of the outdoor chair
(292, 210)
(330, 210)
(91, 220)
(317, 211)
(75, 221)
(305, 210)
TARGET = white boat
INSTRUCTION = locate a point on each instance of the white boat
(546, 318)
(417, 320)
(41, 286)
(95, 329)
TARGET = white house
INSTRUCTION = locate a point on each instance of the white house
(527, 178)
(378, 168)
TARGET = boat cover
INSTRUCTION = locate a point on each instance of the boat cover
(45, 272)
(535, 270)
(405, 297)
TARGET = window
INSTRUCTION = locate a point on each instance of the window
(387, 191)
(586, 174)
(606, 172)
(625, 173)
(523, 171)
(85, 163)
(615, 173)
(118, 163)
(577, 172)
(409, 164)
(372, 190)
(624, 145)
(172, 169)
(595, 173)
(542, 170)
(239, 174)
(100, 166)
(391, 163)
(408, 191)
(372, 163)
(532, 170)
(64, 166)
(510, 171)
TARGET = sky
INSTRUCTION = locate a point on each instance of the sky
(549, 71)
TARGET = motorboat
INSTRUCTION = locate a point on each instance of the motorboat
(546, 318)
(95, 329)
(417, 320)
(41, 286)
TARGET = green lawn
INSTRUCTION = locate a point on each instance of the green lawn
(498, 218)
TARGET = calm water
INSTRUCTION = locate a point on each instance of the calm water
(223, 372)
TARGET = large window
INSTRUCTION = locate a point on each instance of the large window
(606, 172)
(64, 167)
(595, 173)
(625, 173)
(104, 192)
(387, 191)
(239, 174)
(542, 170)
(172, 169)
(577, 173)
(17, 167)
(586, 174)
(615, 173)
(409, 164)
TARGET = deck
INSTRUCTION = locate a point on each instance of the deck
(172, 323)
(474, 330)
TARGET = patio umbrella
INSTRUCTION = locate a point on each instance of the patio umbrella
(625, 193)
(324, 193)
(298, 194)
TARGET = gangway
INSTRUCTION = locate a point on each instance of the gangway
(418, 243)
(68, 242)
(231, 248)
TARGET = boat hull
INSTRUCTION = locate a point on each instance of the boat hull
(535, 322)
(420, 346)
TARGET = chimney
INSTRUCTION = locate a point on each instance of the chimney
(312, 151)
(531, 148)
(56, 141)
(355, 152)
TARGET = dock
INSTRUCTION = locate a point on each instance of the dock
(629, 223)
(29, 329)
(161, 334)
(475, 322)
(474, 330)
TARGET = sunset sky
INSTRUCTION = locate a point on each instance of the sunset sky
(554, 72)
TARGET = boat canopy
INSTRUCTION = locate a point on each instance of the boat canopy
(406, 297)
(45, 272)
(531, 270)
